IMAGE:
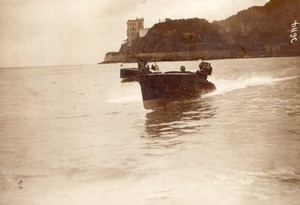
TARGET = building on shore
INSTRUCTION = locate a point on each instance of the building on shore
(135, 29)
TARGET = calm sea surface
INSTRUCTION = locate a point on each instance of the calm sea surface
(78, 135)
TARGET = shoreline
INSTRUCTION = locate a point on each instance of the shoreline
(151, 59)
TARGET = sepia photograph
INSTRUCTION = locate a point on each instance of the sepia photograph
(144, 102)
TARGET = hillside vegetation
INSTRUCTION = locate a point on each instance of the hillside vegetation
(255, 32)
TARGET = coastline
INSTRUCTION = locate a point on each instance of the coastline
(116, 57)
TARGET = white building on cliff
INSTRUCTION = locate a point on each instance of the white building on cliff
(135, 28)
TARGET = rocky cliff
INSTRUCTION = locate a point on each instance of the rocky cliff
(255, 32)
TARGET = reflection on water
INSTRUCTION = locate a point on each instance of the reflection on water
(177, 119)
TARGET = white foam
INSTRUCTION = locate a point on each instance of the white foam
(227, 85)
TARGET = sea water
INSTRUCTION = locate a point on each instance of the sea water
(79, 135)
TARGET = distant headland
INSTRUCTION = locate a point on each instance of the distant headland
(260, 31)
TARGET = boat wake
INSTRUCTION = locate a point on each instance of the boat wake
(224, 86)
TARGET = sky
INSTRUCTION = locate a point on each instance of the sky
(69, 32)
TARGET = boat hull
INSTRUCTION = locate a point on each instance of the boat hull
(159, 89)
(129, 73)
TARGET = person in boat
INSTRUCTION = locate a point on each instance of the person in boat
(147, 67)
(155, 67)
(205, 69)
(142, 65)
(182, 68)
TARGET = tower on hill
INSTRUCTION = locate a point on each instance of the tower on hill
(135, 28)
